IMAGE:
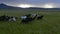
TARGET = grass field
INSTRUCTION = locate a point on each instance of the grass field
(50, 24)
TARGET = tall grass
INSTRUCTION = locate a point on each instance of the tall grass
(50, 24)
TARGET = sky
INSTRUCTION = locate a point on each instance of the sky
(35, 3)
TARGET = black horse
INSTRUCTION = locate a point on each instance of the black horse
(39, 17)
(28, 15)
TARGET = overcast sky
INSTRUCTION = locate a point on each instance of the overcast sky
(32, 2)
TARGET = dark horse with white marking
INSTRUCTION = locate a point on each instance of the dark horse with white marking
(4, 18)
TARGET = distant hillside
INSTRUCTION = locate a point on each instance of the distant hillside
(4, 6)
(45, 8)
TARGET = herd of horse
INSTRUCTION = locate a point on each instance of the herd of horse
(24, 19)
(7, 18)
(31, 17)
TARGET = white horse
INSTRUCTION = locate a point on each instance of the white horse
(12, 19)
(23, 17)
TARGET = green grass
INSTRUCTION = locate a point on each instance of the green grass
(50, 24)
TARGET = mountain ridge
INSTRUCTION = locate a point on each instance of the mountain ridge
(4, 6)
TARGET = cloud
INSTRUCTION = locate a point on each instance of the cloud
(37, 3)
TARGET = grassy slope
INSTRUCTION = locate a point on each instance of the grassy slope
(50, 24)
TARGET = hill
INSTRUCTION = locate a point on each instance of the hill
(4, 6)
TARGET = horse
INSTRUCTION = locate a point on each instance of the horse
(39, 17)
